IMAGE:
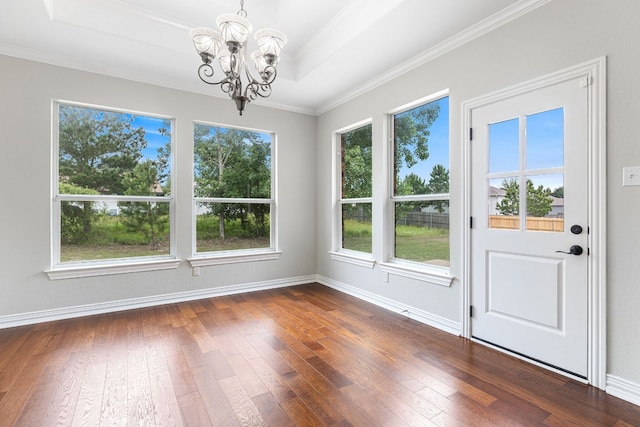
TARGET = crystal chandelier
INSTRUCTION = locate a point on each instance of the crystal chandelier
(229, 46)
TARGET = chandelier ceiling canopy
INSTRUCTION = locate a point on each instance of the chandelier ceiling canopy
(229, 44)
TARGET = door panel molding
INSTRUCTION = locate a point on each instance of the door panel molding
(592, 75)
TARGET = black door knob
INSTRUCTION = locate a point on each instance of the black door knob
(573, 250)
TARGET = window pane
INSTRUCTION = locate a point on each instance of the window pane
(356, 163)
(422, 232)
(231, 226)
(231, 163)
(114, 153)
(545, 203)
(545, 139)
(504, 146)
(421, 149)
(504, 203)
(356, 227)
(101, 230)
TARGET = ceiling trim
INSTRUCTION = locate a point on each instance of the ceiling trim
(344, 27)
(481, 28)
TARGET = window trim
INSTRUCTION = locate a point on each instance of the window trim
(425, 272)
(102, 267)
(203, 259)
(338, 253)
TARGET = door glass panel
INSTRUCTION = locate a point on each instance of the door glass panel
(504, 152)
(545, 202)
(504, 203)
(545, 139)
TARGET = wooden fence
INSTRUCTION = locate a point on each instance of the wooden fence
(533, 223)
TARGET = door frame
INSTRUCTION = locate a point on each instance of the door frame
(593, 76)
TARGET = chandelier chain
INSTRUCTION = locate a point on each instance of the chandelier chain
(242, 12)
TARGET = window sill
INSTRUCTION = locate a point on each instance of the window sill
(353, 258)
(425, 274)
(233, 257)
(73, 271)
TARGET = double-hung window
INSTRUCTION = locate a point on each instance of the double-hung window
(112, 196)
(234, 203)
(356, 189)
(352, 241)
(420, 186)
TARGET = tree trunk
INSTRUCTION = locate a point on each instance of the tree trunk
(86, 216)
(221, 224)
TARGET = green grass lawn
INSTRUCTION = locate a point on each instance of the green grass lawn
(419, 244)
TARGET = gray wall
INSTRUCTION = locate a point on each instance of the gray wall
(26, 93)
(557, 35)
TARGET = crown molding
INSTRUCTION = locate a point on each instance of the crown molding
(476, 31)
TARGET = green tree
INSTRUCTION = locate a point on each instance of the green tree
(73, 215)
(357, 163)
(558, 192)
(538, 199)
(438, 184)
(510, 205)
(96, 149)
(149, 218)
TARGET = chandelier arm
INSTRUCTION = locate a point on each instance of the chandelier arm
(206, 73)
(262, 88)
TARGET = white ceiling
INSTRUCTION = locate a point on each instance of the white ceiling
(337, 48)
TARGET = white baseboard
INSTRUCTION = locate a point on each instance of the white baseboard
(121, 305)
(430, 319)
(624, 389)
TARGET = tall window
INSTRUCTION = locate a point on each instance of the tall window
(112, 195)
(233, 190)
(420, 193)
(356, 189)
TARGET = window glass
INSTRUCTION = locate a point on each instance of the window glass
(545, 139)
(356, 227)
(356, 163)
(545, 202)
(421, 149)
(114, 187)
(232, 188)
(504, 146)
(356, 181)
(421, 183)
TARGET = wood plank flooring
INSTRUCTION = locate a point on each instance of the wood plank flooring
(298, 356)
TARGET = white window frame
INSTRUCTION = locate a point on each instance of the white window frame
(88, 268)
(424, 272)
(202, 259)
(338, 253)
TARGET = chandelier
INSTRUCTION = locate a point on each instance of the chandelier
(229, 45)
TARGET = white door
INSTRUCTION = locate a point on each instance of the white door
(529, 201)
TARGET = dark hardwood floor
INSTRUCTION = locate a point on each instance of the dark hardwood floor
(299, 356)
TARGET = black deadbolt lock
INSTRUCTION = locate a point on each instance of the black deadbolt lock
(576, 229)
